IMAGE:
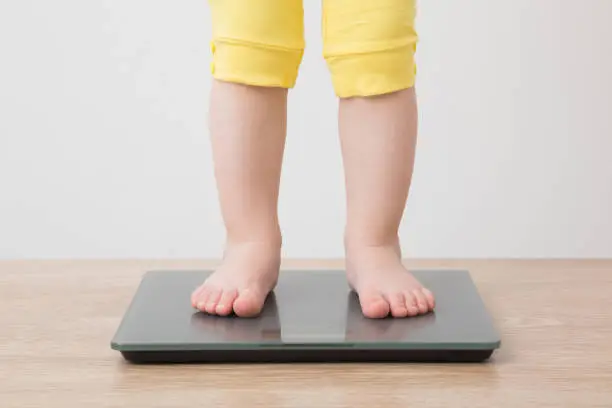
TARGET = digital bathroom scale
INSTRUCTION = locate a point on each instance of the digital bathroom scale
(312, 316)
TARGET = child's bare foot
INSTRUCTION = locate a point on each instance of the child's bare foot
(384, 285)
(249, 272)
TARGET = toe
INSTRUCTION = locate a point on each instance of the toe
(397, 304)
(249, 303)
(431, 301)
(212, 301)
(373, 305)
(421, 301)
(226, 302)
(202, 297)
(195, 295)
(411, 304)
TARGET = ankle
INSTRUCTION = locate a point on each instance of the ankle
(263, 241)
(256, 255)
(355, 243)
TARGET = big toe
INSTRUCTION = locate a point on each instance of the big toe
(373, 305)
(422, 301)
(429, 296)
(249, 303)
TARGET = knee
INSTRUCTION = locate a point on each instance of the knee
(255, 64)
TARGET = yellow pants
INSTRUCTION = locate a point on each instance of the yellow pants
(368, 45)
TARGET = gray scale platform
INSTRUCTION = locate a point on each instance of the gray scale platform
(310, 316)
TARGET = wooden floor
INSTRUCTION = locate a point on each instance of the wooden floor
(57, 319)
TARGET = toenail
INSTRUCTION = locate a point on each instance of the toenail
(201, 305)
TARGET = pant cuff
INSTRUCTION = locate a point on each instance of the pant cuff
(255, 64)
(372, 73)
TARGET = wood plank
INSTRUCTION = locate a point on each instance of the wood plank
(57, 319)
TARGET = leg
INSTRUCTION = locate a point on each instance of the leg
(373, 73)
(378, 142)
(256, 55)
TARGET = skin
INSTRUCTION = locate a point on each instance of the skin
(378, 137)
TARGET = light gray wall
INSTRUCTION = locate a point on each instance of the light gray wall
(104, 148)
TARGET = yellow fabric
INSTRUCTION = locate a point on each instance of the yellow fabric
(369, 45)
